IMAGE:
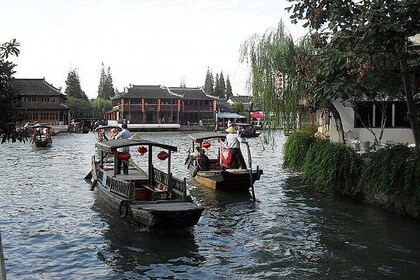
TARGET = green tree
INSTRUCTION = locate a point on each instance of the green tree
(73, 88)
(100, 106)
(268, 55)
(238, 107)
(106, 87)
(10, 99)
(229, 93)
(109, 86)
(365, 44)
(102, 81)
(222, 85)
(217, 89)
(209, 82)
(79, 108)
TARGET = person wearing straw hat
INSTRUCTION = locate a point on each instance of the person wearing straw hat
(232, 142)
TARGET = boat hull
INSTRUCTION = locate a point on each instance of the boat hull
(153, 214)
(42, 143)
(229, 179)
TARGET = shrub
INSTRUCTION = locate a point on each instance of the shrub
(332, 165)
(296, 147)
(393, 170)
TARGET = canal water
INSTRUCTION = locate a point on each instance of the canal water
(53, 226)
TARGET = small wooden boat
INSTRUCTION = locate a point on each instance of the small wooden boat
(247, 130)
(41, 135)
(151, 197)
(218, 177)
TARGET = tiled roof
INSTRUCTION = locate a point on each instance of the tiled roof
(43, 106)
(190, 93)
(137, 91)
(242, 98)
(39, 87)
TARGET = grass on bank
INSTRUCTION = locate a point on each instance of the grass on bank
(394, 170)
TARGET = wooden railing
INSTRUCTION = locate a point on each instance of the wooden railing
(124, 189)
(177, 185)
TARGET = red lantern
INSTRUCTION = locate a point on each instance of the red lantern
(206, 145)
(124, 156)
(142, 150)
(163, 155)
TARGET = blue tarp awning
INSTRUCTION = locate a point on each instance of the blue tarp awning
(227, 115)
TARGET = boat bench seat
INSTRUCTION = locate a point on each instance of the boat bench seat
(214, 164)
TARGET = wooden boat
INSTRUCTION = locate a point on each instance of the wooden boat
(41, 135)
(151, 197)
(218, 177)
(247, 130)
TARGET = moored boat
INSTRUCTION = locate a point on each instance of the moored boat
(247, 130)
(218, 175)
(41, 135)
(150, 197)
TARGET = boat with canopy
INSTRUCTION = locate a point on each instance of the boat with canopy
(149, 196)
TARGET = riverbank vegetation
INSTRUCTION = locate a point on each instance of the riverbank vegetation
(388, 178)
(337, 61)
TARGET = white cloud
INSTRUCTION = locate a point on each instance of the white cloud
(144, 42)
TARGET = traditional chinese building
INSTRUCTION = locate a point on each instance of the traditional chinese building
(155, 104)
(42, 102)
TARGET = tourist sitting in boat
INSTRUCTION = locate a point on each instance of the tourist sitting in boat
(232, 142)
(113, 133)
(124, 134)
(203, 161)
(102, 135)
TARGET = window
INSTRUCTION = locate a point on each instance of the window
(369, 114)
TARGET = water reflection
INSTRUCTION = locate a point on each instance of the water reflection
(135, 249)
(53, 226)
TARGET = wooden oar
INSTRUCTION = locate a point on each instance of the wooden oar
(250, 170)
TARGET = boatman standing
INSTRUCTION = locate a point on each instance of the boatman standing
(233, 143)
(124, 134)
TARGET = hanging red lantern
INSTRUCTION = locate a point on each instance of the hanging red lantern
(206, 145)
(124, 156)
(163, 155)
(142, 150)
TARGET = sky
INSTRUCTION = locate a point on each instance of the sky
(144, 42)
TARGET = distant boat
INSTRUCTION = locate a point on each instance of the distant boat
(247, 130)
(41, 135)
(217, 176)
(152, 197)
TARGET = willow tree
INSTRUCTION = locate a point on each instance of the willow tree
(268, 55)
(365, 49)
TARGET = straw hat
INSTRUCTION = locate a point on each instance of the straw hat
(230, 129)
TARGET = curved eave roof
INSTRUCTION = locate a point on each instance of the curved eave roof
(146, 92)
(191, 93)
(35, 87)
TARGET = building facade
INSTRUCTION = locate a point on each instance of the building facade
(155, 104)
(42, 102)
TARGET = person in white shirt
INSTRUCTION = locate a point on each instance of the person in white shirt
(124, 134)
(233, 143)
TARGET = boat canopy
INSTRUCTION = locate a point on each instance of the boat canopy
(227, 115)
(108, 127)
(207, 135)
(112, 145)
(41, 125)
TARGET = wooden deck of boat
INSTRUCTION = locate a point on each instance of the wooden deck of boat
(133, 175)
